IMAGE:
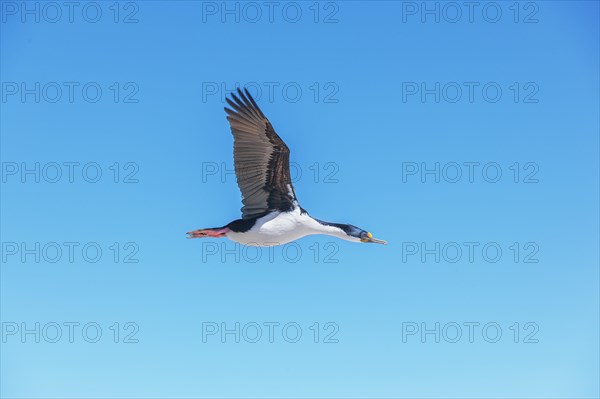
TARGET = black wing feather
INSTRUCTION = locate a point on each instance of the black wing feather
(262, 159)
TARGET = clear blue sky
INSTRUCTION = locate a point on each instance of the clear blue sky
(466, 137)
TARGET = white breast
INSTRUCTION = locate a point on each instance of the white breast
(280, 228)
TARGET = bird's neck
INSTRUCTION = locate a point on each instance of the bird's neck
(331, 229)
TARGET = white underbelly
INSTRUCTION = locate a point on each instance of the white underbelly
(257, 239)
(274, 229)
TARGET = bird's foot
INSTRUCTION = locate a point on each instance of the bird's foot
(212, 233)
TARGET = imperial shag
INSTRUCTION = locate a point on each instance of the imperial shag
(271, 214)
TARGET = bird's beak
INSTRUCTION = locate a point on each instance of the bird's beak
(377, 241)
(374, 240)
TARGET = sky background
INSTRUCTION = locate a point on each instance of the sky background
(467, 138)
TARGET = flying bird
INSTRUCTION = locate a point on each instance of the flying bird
(271, 214)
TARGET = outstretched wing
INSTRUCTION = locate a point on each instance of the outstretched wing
(262, 160)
